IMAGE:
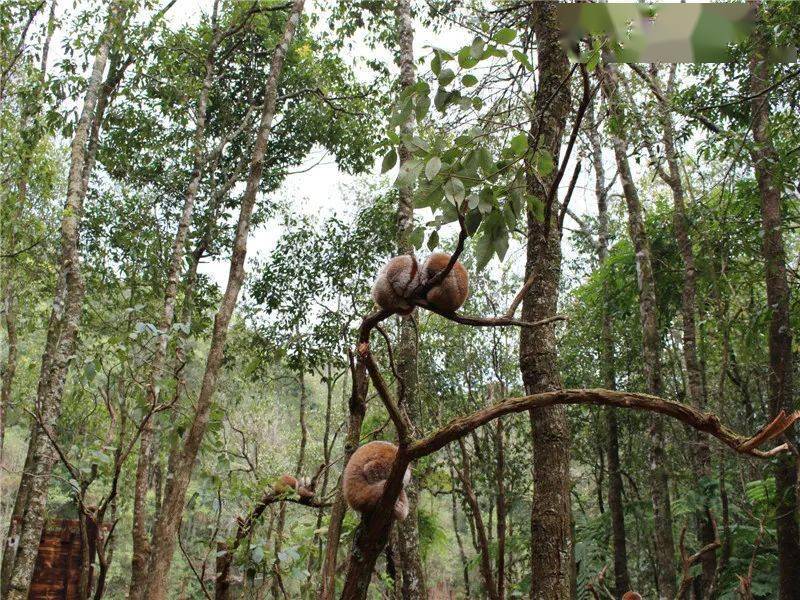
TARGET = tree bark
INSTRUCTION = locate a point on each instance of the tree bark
(62, 334)
(765, 163)
(357, 408)
(501, 508)
(406, 352)
(168, 521)
(622, 580)
(551, 546)
(651, 346)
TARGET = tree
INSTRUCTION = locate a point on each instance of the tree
(62, 331)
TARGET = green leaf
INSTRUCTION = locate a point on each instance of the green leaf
(416, 237)
(505, 36)
(469, 80)
(432, 168)
(441, 98)
(500, 244)
(519, 144)
(523, 58)
(422, 107)
(465, 58)
(536, 207)
(389, 161)
(483, 251)
(257, 554)
(485, 160)
(446, 76)
(544, 162)
(473, 221)
(409, 171)
(436, 64)
(476, 49)
(454, 191)
(433, 240)
(485, 201)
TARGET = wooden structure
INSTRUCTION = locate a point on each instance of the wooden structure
(59, 561)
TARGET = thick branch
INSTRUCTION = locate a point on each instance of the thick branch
(702, 421)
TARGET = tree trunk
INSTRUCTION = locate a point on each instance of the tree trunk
(167, 523)
(139, 529)
(622, 580)
(408, 530)
(702, 452)
(9, 297)
(765, 163)
(651, 348)
(465, 476)
(62, 334)
(551, 546)
(501, 508)
(357, 407)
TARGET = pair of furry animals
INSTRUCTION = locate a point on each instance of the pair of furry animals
(394, 289)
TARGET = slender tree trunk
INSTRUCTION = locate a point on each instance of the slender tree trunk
(622, 580)
(501, 508)
(765, 162)
(551, 545)
(357, 408)
(141, 548)
(167, 523)
(9, 244)
(465, 475)
(462, 555)
(406, 352)
(62, 334)
(651, 348)
(702, 452)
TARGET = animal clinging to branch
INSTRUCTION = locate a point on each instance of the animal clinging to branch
(365, 478)
(287, 484)
(398, 281)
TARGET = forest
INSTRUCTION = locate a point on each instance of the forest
(403, 299)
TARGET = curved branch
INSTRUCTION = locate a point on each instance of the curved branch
(702, 421)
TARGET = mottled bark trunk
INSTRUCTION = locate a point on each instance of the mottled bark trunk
(622, 580)
(10, 242)
(487, 573)
(462, 555)
(651, 347)
(551, 546)
(62, 334)
(768, 174)
(357, 409)
(406, 351)
(702, 453)
(168, 521)
(501, 507)
(141, 547)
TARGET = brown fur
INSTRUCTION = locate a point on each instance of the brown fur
(451, 293)
(365, 477)
(631, 596)
(287, 484)
(395, 284)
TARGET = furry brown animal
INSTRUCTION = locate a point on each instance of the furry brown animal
(402, 275)
(451, 293)
(287, 484)
(395, 284)
(365, 477)
(631, 596)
